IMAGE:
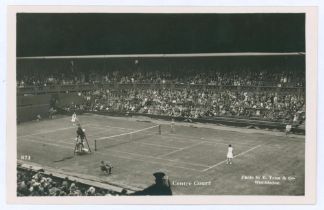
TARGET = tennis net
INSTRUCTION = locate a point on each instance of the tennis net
(124, 138)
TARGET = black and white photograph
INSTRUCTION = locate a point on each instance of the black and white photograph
(162, 104)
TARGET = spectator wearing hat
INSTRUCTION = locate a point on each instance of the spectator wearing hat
(161, 187)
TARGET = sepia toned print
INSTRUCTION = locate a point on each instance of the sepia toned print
(161, 105)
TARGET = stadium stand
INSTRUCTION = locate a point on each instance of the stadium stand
(248, 95)
(244, 77)
(33, 181)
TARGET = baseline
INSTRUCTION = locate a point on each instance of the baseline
(242, 153)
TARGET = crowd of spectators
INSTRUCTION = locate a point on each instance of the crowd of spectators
(244, 77)
(218, 78)
(196, 103)
(36, 183)
(204, 94)
(40, 79)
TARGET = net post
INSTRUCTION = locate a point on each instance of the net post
(159, 129)
(95, 145)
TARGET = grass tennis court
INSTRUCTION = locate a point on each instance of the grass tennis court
(194, 154)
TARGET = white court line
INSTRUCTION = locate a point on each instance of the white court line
(60, 129)
(122, 157)
(45, 132)
(156, 157)
(186, 139)
(145, 161)
(124, 134)
(40, 138)
(178, 150)
(213, 166)
(107, 126)
(157, 145)
(51, 144)
(176, 136)
(147, 156)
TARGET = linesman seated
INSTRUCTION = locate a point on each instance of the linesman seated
(106, 167)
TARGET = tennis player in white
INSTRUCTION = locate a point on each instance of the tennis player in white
(74, 118)
(229, 154)
(172, 126)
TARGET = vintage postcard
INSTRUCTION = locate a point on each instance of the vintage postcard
(161, 105)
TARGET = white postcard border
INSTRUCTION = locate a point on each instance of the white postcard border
(311, 110)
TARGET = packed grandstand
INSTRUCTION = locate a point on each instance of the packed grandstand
(245, 93)
(240, 77)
